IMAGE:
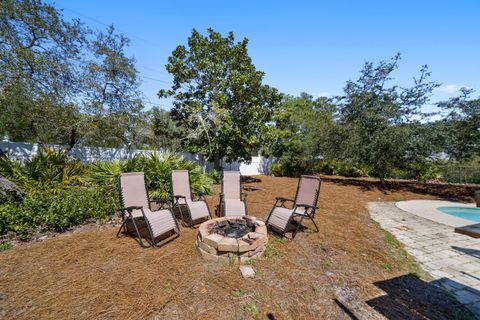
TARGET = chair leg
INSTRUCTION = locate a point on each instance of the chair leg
(316, 227)
(297, 228)
(138, 233)
(123, 226)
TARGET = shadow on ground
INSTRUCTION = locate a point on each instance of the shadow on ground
(445, 191)
(408, 297)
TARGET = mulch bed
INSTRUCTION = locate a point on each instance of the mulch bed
(92, 274)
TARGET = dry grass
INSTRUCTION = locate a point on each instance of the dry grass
(92, 274)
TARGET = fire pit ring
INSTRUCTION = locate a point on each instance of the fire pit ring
(232, 239)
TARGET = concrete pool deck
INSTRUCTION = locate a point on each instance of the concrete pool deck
(452, 259)
(428, 209)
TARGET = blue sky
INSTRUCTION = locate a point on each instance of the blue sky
(310, 46)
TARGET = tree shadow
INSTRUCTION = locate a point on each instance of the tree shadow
(471, 252)
(446, 191)
(250, 179)
(408, 297)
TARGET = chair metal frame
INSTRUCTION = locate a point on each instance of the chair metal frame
(309, 209)
(221, 205)
(200, 196)
(127, 215)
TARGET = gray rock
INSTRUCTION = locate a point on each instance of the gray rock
(10, 191)
(247, 271)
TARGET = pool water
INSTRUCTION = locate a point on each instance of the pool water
(472, 214)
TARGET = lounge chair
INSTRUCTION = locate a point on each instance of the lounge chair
(136, 206)
(196, 209)
(304, 206)
(232, 201)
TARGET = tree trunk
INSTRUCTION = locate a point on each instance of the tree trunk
(381, 176)
(72, 141)
(217, 163)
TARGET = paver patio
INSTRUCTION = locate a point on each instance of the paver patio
(451, 259)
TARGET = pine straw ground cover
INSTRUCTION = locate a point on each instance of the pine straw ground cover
(91, 274)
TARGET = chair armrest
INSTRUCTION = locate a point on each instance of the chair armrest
(160, 200)
(177, 196)
(282, 199)
(130, 208)
(305, 206)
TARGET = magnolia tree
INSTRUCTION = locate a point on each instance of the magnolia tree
(218, 97)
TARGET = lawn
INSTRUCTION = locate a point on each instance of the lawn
(91, 274)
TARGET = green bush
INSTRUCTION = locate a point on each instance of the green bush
(62, 192)
(45, 170)
(158, 170)
(457, 173)
(341, 168)
(56, 211)
(216, 176)
(288, 168)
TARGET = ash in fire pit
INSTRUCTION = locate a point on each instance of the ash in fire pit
(233, 229)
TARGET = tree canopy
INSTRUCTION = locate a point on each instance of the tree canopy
(378, 116)
(219, 98)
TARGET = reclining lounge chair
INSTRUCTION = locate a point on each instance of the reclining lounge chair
(197, 209)
(232, 201)
(304, 206)
(136, 206)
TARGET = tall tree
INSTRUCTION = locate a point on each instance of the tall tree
(39, 51)
(302, 131)
(377, 116)
(219, 98)
(461, 126)
(111, 96)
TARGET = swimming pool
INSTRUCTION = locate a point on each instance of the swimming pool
(472, 214)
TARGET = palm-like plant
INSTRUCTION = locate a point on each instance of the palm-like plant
(158, 169)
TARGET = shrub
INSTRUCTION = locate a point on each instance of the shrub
(45, 170)
(157, 168)
(44, 210)
(341, 168)
(216, 176)
(291, 169)
(62, 192)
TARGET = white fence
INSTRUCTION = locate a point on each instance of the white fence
(22, 151)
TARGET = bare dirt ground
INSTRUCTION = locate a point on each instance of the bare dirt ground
(91, 274)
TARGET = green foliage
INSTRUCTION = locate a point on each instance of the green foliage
(5, 246)
(62, 192)
(45, 170)
(157, 168)
(378, 118)
(466, 172)
(56, 210)
(219, 99)
(216, 176)
(341, 168)
(238, 293)
(251, 308)
(61, 82)
(302, 127)
(461, 127)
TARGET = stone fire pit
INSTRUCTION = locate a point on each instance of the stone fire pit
(232, 239)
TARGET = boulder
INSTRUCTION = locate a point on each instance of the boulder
(10, 191)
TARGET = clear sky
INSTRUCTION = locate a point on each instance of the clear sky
(310, 46)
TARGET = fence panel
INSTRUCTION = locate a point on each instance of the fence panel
(22, 151)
